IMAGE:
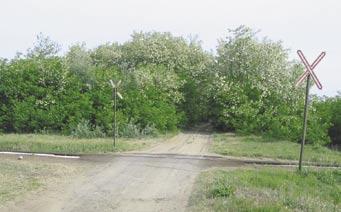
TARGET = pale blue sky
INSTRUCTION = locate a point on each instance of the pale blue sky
(312, 25)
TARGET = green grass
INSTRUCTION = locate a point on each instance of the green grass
(20, 177)
(69, 145)
(267, 190)
(254, 146)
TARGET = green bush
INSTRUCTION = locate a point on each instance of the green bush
(254, 92)
(42, 91)
(222, 189)
(328, 112)
(131, 130)
(167, 82)
(85, 130)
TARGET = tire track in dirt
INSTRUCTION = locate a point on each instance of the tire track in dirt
(132, 183)
(157, 179)
(189, 143)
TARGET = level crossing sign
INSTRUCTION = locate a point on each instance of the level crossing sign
(309, 72)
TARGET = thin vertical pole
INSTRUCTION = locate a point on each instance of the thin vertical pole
(304, 121)
(114, 115)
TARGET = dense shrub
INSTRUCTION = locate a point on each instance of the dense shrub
(167, 82)
(85, 130)
(328, 112)
(335, 111)
(254, 90)
(40, 93)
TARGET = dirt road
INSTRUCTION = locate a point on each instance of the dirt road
(189, 143)
(157, 179)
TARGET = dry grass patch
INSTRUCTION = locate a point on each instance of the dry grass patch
(18, 177)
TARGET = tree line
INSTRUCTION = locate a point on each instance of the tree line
(168, 83)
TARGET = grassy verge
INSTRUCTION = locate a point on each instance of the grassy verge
(20, 177)
(253, 146)
(69, 145)
(267, 190)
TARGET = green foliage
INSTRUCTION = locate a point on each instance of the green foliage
(168, 82)
(43, 47)
(33, 93)
(47, 92)
(152, 98)
(254, 90)
(186, 59)
(335, 111)
(328, 112)
(131, 130)
(221, 188)
(84, 130)
(107, 55)
(79, 62)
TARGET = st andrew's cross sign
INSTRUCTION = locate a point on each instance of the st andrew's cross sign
(309, 69)
(309, 72)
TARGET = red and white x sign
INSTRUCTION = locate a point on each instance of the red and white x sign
(309, 69)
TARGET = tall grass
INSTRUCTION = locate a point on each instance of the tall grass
(267, 190)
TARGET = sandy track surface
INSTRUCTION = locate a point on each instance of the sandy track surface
(189, 143)
(135, 184)
(131, 183)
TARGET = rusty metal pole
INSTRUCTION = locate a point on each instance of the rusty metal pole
(304, 121)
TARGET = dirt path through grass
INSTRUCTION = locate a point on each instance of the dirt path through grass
(160, 178)
(131, 183)
(188, 143)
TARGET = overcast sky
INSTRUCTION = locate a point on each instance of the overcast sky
(310, 25)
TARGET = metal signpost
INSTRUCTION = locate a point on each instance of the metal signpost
(306, 75)
(115, 93)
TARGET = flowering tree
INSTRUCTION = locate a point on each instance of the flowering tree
(254, 86)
